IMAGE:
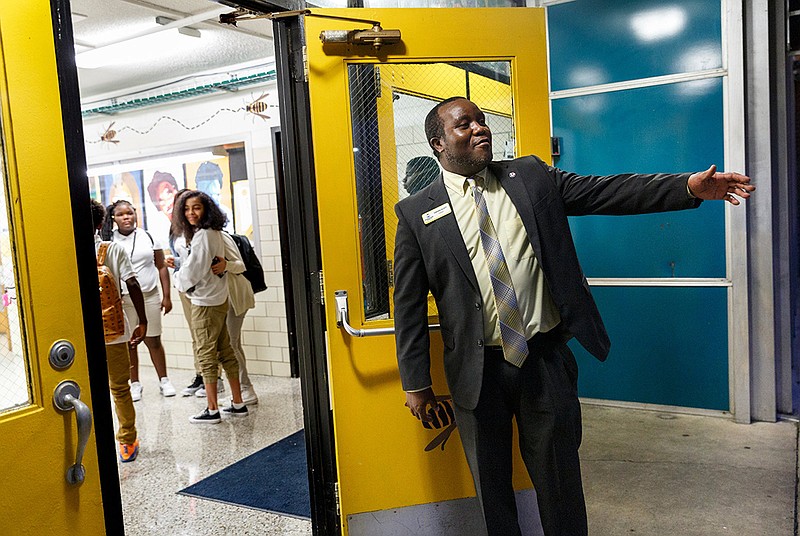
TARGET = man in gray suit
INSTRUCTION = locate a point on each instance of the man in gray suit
(491, 242)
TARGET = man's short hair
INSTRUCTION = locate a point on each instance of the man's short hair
(434, 126)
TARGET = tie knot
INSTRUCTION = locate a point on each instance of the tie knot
(475, 182)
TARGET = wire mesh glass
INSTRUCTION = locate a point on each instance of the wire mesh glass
(392, 157)
(14, 384)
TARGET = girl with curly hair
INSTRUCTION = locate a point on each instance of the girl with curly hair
(202, 221)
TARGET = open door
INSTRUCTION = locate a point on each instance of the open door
(368, 107)
(50, 473)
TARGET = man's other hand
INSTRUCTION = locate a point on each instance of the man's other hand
(419, 402)
(710, 184)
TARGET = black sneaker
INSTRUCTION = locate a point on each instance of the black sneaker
(192, 388)
(232, 410)
(206, 417)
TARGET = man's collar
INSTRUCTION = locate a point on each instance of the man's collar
(458, 183)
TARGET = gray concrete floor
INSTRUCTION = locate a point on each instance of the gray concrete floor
(657, 473)
(645, 472)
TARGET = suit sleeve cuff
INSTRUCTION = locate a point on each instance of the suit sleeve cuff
(689, 191)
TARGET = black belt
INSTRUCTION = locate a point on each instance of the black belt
(537, 342)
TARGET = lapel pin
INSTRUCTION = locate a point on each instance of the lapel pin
(512, 174)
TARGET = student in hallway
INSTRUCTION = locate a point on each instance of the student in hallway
(117, 357)
(241, 299)
(201, 221)
(147, 257)
(180, 252)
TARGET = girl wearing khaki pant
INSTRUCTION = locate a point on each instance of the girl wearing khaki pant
(201, 221)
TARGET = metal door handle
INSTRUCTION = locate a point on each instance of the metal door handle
(66, 398)
(342, 320)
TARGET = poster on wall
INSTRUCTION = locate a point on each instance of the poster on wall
(150, 186)
(126, 185)
(243, 215)
(162, 183)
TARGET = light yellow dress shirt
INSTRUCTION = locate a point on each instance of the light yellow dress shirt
(539, 313)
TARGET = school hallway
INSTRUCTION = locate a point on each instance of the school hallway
(645, 472)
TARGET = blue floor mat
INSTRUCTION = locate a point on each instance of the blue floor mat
(274, 479)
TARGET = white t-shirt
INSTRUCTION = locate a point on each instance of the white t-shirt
(120, 267)
(139, 247)
(195, 274)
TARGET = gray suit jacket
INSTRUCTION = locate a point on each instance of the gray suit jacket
(433, 257)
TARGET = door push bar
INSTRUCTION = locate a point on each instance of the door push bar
(342, 320)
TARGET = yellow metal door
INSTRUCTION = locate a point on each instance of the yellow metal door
(41, 303)
(368, 106)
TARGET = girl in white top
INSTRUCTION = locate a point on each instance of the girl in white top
(201, 221)
(147, 258)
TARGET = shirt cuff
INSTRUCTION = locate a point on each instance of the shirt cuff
(419, 390)
(689, 191)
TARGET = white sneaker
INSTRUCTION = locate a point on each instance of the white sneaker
(249, 398)
(136, 391)
(201, 393)
(166, 387)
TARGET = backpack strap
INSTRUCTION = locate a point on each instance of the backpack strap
(101, 253)
(152, 242)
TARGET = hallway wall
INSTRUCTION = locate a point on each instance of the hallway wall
(639, 86)
(264, 333)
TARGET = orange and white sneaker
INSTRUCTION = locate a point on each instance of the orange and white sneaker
(128, 453)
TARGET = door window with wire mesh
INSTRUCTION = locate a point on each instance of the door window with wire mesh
(14, 387)
(392, 158)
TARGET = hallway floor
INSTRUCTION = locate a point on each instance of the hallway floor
(175, 453)
(645, 472)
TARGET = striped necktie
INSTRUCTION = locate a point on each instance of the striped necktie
(515, 347)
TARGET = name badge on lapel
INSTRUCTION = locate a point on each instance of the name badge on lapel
(435, 214)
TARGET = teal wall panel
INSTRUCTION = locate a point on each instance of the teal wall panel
(596, 42)
(669, 346)
(669, 128)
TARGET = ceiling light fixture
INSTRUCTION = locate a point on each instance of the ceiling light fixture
(77, 17)
(126, 49)
(146, 46)
(185, 30)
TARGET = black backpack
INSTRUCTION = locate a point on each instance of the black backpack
(254, 272)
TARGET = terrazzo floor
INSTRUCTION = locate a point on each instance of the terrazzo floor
(648, 472)
(175, 453)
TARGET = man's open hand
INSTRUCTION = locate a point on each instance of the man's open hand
(710, 185)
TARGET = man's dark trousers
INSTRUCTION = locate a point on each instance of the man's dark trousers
(542, 397)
